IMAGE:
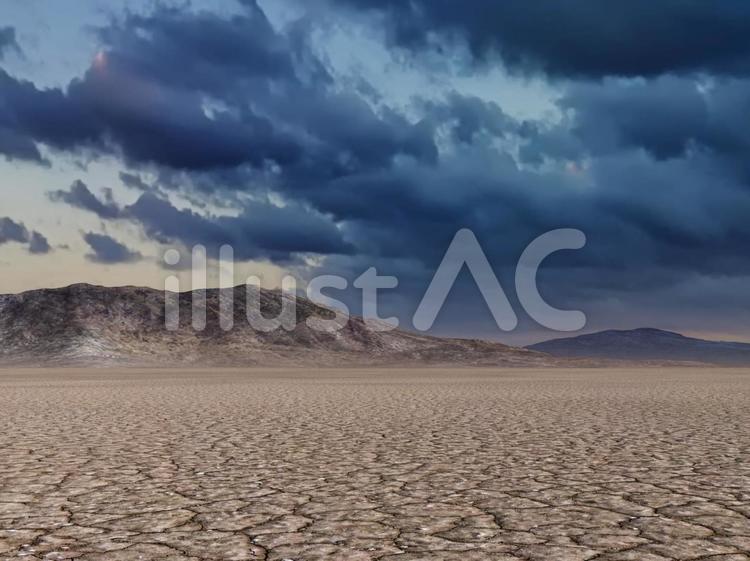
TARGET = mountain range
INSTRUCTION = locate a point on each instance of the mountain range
(85, 325)
(647, 345)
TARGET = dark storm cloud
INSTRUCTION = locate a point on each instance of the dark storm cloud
(197, 91)
(12, 231)
(38, 244)
(228, 112)
(108, 251)
(8, 41)
(29, 115)
(375, 182)
(121, 104)
(134, 181)
(668, 117)
(18, 147)
(80, 196)
(578, 38)
(637, 212)
(470, 117)
(198, 51)
(261, 230)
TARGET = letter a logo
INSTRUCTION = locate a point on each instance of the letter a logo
(465, 250)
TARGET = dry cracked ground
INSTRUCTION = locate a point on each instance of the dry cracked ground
(389, 465)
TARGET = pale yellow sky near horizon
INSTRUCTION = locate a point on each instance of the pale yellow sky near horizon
(63, 267)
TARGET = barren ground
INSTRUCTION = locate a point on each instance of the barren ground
(391, 465)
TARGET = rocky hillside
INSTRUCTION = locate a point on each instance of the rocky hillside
(91, 325)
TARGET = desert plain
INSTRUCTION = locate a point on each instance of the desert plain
(393, 465)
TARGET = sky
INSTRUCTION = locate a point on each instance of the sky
(331, 136)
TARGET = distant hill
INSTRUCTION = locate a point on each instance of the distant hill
(647, 344)
(84, 325)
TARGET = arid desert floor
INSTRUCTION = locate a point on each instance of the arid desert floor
(402, 465)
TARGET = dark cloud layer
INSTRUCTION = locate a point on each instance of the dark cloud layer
(260, 230)
(579, 38)
(12, 231)
(134, 181)
(197, 91)
(8, 41)
(80, 196)
(38, 244)
(230, 112)
(108, 251)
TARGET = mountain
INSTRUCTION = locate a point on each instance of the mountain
(84, 325)
(647, 344)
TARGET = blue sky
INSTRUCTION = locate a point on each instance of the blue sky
(334, 135)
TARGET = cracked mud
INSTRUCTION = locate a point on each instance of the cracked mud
(389, 465)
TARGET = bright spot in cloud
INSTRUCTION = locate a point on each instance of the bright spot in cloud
(100, 60)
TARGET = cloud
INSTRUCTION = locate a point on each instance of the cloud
(260, 231)
(361, 181)
(12, 231)
(197, 91)
(229, 113)
(8, 41)
(576, 39)
(80, 196)
(38, 244)
(108, 251)
(668, 117)
(29, 115)
(134, 181)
